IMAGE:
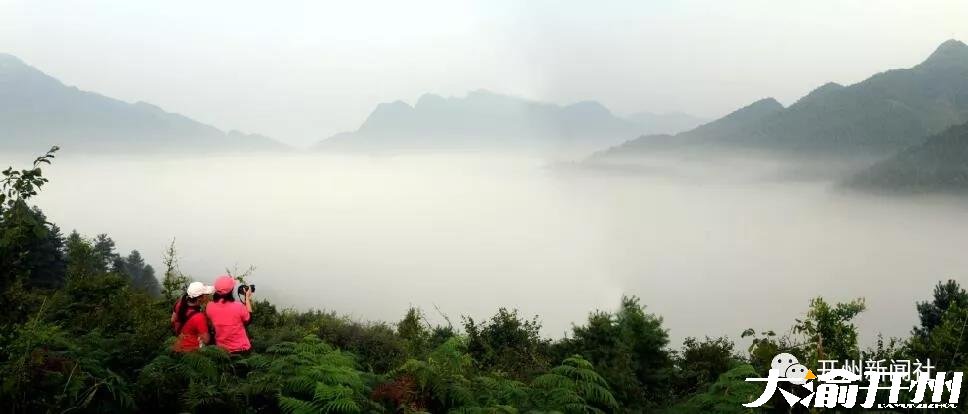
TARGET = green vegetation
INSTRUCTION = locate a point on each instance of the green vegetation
(85, 329)
(938, 165)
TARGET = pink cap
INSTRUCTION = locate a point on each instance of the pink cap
(224, 284)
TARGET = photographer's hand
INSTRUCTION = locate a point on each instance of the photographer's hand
(248, 299)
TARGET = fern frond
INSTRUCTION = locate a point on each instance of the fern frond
(291, 405)
(343, 405)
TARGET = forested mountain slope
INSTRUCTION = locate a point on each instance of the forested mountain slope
(882, 114)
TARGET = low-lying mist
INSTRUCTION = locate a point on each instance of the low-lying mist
(370, 236)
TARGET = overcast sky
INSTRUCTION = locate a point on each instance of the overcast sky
(300, 71)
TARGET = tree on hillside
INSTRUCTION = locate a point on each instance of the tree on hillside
(45, 257)
(701, 362)
(24, 234)
(174, 281)
(946, 295)
(508, 343)
(142, 275)
(82, 260)
(104, 249)
(628, 348)
(942, 335)
(829, 331)
(413, 330)
(764, 347)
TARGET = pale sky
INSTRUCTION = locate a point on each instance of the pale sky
(300, 71)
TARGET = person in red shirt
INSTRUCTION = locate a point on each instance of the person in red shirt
(230, 317)
(188, 321)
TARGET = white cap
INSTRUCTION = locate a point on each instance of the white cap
(196, 289)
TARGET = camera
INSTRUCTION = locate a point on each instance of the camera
(243, 288)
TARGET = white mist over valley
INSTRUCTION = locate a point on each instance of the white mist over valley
(713, 250)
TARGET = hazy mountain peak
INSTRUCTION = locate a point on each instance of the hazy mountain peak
(484, 96)
(769, 102)
(829, 86)
(483, 92)
(951, 44)
(950, 53)
(394, 106)
(11, 65)
(37, 110)
(745, 116)
(8, 59)
(487, 120)
(818, 94)
(430, 100)
(588, 108)
(756, 109)
(387, 114)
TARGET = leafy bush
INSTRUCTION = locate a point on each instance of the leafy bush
(629, 348)
(726, 395)
(701, 362)
(508, 344)
(378, 346)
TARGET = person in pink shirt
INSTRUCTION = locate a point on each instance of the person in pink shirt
(230, 317)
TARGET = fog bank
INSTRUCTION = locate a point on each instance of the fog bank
(370, 236)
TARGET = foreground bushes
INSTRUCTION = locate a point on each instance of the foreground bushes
(84, 352)
(97, 344)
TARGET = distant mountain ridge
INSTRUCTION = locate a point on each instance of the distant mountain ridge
(940, 164)
(876, 117)
(491, 121)
(37, 111)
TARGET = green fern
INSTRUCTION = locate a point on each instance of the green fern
(442, 378)
(312, 376)
(199, 381)
(296, 406)
(573, 387)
